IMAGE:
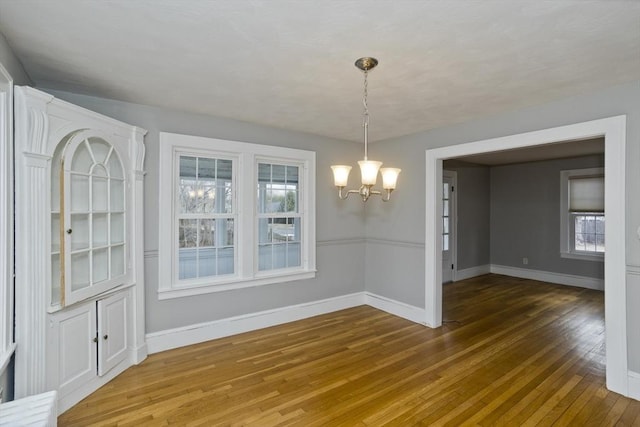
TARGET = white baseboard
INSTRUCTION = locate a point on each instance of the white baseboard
(470, 272)
(201, 332)
(193, 334)
(548, 276)
(397, 308)
(634, 385)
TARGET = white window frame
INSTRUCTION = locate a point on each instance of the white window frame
(245, 157)
(567, 231)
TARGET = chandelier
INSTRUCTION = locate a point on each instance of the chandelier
(368, 168)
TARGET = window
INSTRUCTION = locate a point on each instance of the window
(582, 214)
(238, 215)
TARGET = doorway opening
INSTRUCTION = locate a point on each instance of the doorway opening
(613, 130)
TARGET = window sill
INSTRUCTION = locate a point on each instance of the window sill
(583, 257)
(229, 285)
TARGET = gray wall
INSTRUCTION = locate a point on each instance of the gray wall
(403, 221)
(525, 216)
(472, 197)
(339, 228)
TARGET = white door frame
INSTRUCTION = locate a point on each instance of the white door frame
(7, 345)
(613, 129)
(453, 221)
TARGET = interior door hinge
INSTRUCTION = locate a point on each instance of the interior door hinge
(452, 266)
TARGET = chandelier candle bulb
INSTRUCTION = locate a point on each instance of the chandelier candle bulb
(389, 178)
(341, 175)
(369, 171)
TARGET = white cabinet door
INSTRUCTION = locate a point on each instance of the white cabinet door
(77, 355)
(112, 332)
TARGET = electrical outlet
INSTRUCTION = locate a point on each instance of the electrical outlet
(525, 261)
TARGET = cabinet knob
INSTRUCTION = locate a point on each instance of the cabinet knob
(69, 231)
(95, 339)
(105, 336)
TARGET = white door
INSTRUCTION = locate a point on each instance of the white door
(112, 332)
(448, 226)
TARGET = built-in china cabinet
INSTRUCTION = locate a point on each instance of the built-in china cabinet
(79, 254)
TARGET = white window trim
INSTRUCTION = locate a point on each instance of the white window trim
(566, 249)
(246, 156)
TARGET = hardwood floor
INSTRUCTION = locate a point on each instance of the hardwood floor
(512, 352)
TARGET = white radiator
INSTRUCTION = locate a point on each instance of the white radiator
(33, 411)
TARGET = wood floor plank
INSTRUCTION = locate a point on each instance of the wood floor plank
(512, 352)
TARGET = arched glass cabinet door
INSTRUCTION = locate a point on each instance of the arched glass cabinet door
(91, 219)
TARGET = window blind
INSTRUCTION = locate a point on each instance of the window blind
(586, 194)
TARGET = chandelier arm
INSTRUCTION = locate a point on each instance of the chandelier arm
(343, 196)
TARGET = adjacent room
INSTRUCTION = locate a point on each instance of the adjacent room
(359, 212)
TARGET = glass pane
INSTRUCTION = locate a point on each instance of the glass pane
(188, 233)
(55, 184)
(99, 193)
(99, 170)
(445, 208)
(293, 255)
(279, 256)
(82, 160)
(445, 225)
(278, 173)
(55, 279)
(187, 184)
(117, 228)
(188, 167)
(228, 199)
(264, 172)
(291, 230)
(206, 262)
(224, 170)
(117, 195)
(79, 193)
(206, 169)
(600, 243)
(225, 232)
(115, 168)
(600, 225)
(117, 261)
(79, 231)
(55, 233)
(207, 233)
(79, 271)
(275, 198)
(100, 230)
(292, 174)
(265, 257)
(100, 148)
(264, 230)
(445, 190)
(580, 242)
(225, 261)
(100, 265)
(187, 263)
(291, 199)
(445, 242)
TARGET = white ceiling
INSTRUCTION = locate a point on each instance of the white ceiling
(289, 64)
